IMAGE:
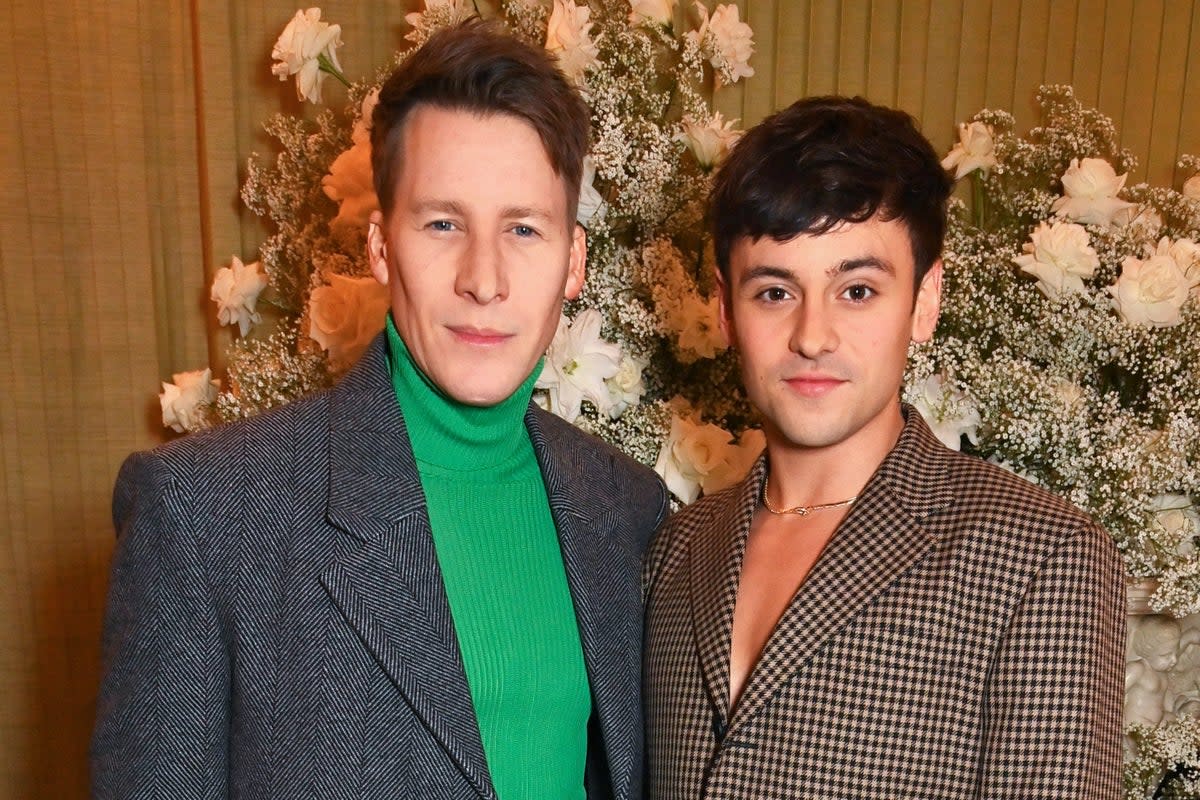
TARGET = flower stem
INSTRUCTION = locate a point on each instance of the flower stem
(326, 66)
(978, 200)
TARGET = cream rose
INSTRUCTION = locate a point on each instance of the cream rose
(626, 388)
(948, 412)
(698, 323)
(235, 290)
(655, 12)
(975, 150)
(709, 140)
(1151, 292)
(568, 36)
(300, 49)
(345, 315)
(726, 41)
(184, 401)
(349, 182)
(1060, 256)
(1191, 187)
(1090, 189)
(1177, 517)
(694, 453)
(437, 14)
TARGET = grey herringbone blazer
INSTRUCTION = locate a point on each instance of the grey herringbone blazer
(962, 636)
(277, 625)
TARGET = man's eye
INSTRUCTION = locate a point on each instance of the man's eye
(443, 225)
(524, 231)
(774, 294)
(859, 293)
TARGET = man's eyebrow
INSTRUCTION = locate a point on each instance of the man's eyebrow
(767, 271)
(862, 262)
(527, 212)
(424, 204)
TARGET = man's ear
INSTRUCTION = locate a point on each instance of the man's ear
(576, 264)
(377, 247)
(724, 319)
(928, 304)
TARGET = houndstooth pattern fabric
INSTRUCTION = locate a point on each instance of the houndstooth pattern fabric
(961, 636)
(277, 625)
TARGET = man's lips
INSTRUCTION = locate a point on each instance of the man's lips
(813, 385)
(479, 336)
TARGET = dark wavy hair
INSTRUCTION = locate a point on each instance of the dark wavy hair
(824, 161)
(476, 67)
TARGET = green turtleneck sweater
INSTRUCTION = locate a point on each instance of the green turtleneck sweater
(498, 550)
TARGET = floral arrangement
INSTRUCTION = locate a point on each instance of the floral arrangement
(1068, 350)
(639, 358)
(1163, 762)
(1069, 344)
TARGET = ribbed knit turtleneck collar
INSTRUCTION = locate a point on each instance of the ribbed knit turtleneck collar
(451, 435)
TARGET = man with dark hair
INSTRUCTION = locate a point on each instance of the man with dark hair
(415, 584)
(869, 614)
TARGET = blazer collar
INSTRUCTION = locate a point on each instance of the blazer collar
(881, 538)
(388, 584)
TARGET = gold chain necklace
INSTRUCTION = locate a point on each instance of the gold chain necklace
(800, 511)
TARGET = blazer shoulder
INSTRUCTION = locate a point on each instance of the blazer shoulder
(633, 484)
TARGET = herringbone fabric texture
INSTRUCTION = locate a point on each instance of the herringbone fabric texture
(962, 636)
(277, 625)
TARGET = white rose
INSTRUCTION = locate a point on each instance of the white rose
(698, 323)
(299, 51)
(568, 36)
(1191, 187)
(345, 315)
(1090, 189)
(975, 150)
(1186, 254)
(1151, 292)
(235, 290)
(656, 12)
(693, 454)
(949, 413)
(738, 461)
(708, 140)
(184, 401)
(727, 42)
(626, 388)
(590, 201)
(1060, 256)
(577, 366)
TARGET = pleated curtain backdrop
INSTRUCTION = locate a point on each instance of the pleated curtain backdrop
(126, 129)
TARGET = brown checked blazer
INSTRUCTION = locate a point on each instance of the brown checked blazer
(961, 636)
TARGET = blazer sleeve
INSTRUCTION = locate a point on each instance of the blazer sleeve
(1054, 705)
(163, 710)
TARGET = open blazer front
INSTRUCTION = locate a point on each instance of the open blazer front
(277, 625)
(961, 636)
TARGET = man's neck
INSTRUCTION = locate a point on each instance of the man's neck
(802, 475)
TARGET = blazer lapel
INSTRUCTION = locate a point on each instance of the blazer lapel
(605, 592)
(715, 568)
(386, 579)
(881, 538)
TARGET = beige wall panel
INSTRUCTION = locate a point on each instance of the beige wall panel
(1166, 118)
(1189, 107)
(1034, 40)
(937, 111)
(970, 94)
(1089, 51)
(823, 62)
(1134, 114)
(911, 56)
(1115, 58)
(854, 31)
(1061, 21)
(883, 51)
